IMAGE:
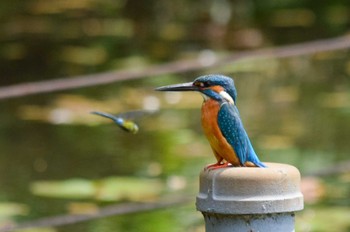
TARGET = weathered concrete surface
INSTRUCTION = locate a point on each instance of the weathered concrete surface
(241, 223)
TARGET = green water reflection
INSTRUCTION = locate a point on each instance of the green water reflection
(56, 158)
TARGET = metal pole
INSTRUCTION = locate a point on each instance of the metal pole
(250, 199)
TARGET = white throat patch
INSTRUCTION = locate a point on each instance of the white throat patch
(227, 97)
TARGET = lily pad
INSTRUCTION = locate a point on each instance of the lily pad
(108, 189)
(73, 188)
(128, 188)
(8, 209)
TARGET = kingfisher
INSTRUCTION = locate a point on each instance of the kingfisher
(121, 121)
(221, 121)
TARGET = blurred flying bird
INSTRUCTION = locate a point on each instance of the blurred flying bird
(123, 120)
(221, 121)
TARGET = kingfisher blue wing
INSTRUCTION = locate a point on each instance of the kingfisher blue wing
(232, 128)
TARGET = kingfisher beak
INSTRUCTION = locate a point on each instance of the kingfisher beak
(179, 87)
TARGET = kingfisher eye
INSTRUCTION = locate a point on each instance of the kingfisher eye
(203, 84)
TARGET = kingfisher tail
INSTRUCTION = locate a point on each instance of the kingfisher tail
(252, 157)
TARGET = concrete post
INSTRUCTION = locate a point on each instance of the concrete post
(250, 199)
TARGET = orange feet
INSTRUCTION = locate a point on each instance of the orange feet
(217, 165)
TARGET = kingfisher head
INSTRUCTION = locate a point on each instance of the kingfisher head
(214, 86)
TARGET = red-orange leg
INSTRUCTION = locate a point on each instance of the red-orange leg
(217, 165)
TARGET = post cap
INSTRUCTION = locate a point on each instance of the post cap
(242, 190)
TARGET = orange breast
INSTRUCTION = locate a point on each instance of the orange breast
(218, 143)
